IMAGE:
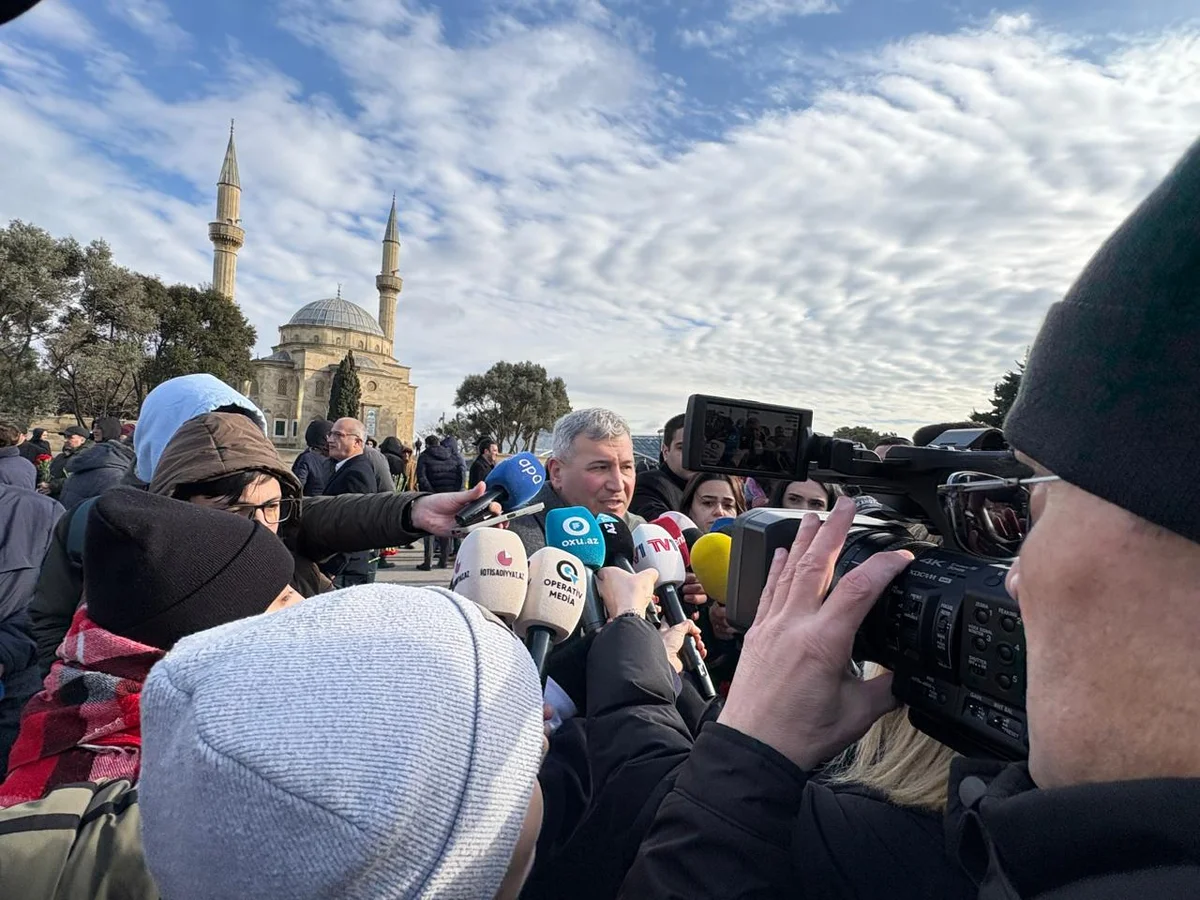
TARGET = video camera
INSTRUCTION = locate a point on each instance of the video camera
(946, 626)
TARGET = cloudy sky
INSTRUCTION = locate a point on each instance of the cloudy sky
(859, 206)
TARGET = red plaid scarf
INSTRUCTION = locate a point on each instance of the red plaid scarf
(85, 725)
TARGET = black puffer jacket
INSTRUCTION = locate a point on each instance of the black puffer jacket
(439, 470)
(91, 474)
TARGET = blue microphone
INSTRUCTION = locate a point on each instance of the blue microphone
(513, 483)
(723, 522)
(575, 530)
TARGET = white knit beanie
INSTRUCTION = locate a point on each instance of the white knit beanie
(377, 742)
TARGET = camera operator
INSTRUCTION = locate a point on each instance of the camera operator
(1108, 582)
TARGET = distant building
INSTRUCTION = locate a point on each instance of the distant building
(292, 384)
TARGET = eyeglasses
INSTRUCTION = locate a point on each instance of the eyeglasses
(271, 513)
(988, 515)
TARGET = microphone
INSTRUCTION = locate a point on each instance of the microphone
(723, 522)
(678, 518)
(513, 483)
(671, 527)
(655, 548)
(575, 530)
(492, 570)
(710, 562)
(553, 603)
(618, 551)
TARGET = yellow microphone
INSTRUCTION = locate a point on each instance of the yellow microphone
(710, 564)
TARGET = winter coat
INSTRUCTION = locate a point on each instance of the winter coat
(658, 491)
(91, 474)
(211, 446)
(16, 469)
(438, 470)
(313, 470)
(27, 521)
(744, 821)
(356, 476)
(1101, 841)
(80, 841)
(636, 741)
(480, 470)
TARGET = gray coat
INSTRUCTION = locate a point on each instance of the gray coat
(16, 469)
(532, 529)
(92, 473)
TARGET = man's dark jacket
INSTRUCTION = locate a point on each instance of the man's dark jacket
(635, 741)
(439, 470)
(657, 491)
(741, 820)
(480, 470)
(91, 474)
(27, 522)
(355, 476)
(1106, 841)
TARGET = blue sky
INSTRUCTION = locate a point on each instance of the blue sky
(861, 206)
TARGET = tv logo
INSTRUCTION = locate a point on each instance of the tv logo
(576, 525)
(567, 572)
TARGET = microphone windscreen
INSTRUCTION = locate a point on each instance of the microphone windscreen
(492, 570)
(679, 519)
(654, 548)
(618, 542)
(575, 530)
(710, 563)
(520, 477)
(671, 527)
(723, 522)
(554, 599)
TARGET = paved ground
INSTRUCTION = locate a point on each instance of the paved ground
(406, 569)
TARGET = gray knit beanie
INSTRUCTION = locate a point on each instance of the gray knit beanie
(377, 742)
(1108, 400)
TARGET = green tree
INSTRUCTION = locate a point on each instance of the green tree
(97, 351)
(869, 437)
(1004, 394)
(512, 402)
(345, 395)
(198, 330)
(39, 274)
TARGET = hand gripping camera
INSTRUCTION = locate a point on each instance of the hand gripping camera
(946, 626)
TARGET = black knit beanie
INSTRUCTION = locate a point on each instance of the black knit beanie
(156, 569)
(1110, 397)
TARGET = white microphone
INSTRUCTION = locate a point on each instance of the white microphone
(492, 570)
(553, 602)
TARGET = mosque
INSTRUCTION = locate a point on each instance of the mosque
(291, 386)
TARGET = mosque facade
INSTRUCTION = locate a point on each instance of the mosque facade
(292, 384)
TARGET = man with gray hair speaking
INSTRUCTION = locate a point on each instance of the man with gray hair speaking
(590, 464)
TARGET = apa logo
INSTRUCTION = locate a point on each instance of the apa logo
(567, 571)
(576, 525)
(504, 559)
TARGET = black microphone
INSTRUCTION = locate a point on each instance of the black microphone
(618, 551)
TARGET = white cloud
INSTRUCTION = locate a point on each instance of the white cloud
(153, 19)
(881, 255)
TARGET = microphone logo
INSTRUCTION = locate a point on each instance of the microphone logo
(567, 572)
(576, 525)
(503, 558)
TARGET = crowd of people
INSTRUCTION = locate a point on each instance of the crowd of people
(205, 694)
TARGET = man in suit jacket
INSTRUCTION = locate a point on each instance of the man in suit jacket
(354, 473)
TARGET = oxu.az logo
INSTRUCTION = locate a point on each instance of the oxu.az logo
(567, 571)
(576, 526)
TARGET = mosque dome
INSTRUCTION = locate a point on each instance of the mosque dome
(337, 313)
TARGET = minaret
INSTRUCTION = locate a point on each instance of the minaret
(226, 232)
(389, 281)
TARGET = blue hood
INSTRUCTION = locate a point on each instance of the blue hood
(174, 402)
